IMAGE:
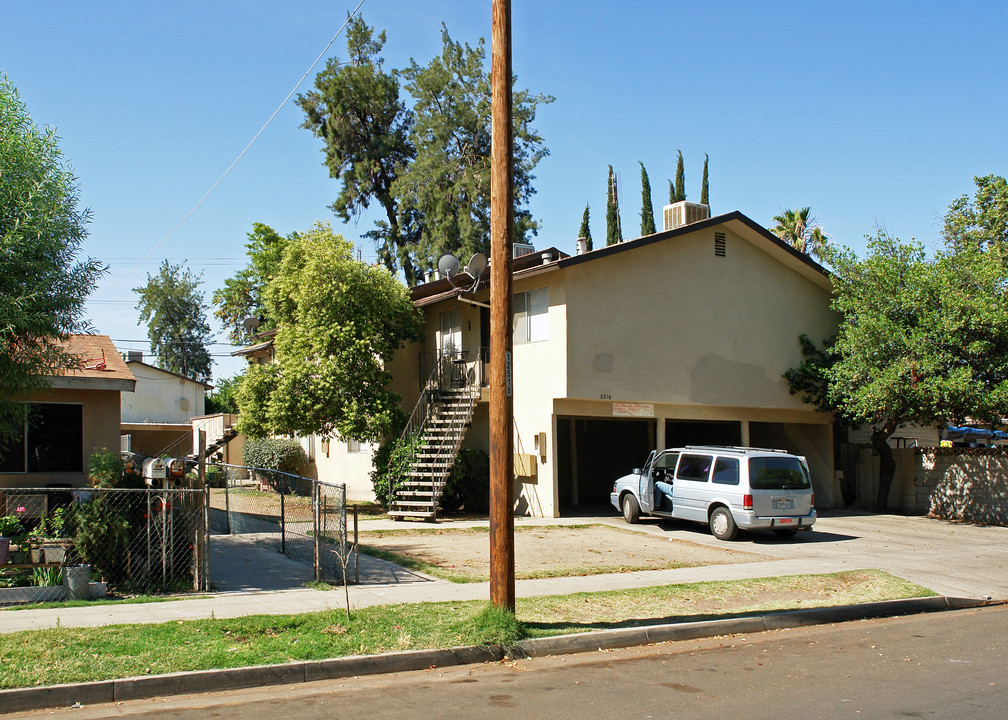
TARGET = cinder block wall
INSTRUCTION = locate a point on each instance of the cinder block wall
(963, 484)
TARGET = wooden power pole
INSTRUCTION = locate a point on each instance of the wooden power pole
(502, 566)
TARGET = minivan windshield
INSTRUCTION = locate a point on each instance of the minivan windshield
(777, 473)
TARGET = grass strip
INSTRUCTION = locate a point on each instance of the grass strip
(62, 655)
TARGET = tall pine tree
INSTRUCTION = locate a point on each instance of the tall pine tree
(680, 180)
(647, 226)
(614, 233)
(704, 199)
(585, 231)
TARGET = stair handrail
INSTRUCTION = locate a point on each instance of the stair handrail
(417, 420)
(456, 431)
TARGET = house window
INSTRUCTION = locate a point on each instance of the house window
(531, 316)
(355, 446)
(52, 440)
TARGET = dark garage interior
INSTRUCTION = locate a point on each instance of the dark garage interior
(605, 450)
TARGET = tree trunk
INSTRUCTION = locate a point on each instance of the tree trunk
(887, 465)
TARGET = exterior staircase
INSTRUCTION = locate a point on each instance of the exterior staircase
(220, 430)
(437, 429)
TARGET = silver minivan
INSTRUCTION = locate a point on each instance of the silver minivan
(726, 488)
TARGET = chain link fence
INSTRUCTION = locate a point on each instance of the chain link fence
(65, 544)
(302, 518)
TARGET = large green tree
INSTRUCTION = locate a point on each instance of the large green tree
(43, 284)
(172, 305)
(356, 111)
(677, 191)
(647, 225)
(614, 233)
(921, 341)
(799, 229)
(241, 296)
(980, 221)
(339, 321)
(429, 167)
(585, 231)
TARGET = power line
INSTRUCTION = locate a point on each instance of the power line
(213, 187)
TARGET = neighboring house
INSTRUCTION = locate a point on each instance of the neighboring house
(681, 337)
(78, 414)
(157, 416)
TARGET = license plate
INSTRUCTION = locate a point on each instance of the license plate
(783, 503)
(785, 521)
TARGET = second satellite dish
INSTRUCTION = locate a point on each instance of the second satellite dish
(477, 264)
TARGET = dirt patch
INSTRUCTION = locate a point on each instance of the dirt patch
(550, 551)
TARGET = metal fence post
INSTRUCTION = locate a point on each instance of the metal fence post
(317, 502)
(283, 519)
(356, 548)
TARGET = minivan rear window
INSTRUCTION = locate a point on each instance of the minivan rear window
(777, 473)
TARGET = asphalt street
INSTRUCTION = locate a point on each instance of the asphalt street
(923, 666)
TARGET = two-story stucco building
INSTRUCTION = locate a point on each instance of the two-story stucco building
(680, 337)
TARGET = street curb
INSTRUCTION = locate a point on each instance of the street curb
(135, 688)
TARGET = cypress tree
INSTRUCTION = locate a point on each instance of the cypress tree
(647, 226)
(703, 186)
(680, 180)
(613, 232)
(585, 231)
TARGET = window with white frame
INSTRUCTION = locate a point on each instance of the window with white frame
(531, 316)
(355, 446)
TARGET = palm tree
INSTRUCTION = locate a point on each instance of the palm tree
(800, 230)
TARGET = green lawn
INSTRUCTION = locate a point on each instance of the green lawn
(61, 655)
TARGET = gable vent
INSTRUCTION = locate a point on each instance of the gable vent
(719, 244)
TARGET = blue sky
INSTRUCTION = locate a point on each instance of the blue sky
(872, 113)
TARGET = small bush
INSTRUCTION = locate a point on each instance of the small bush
(105, 468)
(391, 463)
(468, 485)
(281, 454)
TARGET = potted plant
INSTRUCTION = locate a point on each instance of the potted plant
(10, 529)
(47, 545)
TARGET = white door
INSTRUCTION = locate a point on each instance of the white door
(450, 333)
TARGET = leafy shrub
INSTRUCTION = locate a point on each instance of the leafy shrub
(468, 484)
(391, 462)
(102, 537)
(105, 468)
(281, 454)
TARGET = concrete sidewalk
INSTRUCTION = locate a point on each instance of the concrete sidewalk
(950, 559)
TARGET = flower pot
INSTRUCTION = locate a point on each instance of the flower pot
(19, 557)
(54, 553)
(77, 581)
(35, 554)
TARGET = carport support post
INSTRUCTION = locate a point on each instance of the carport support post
(502, 572)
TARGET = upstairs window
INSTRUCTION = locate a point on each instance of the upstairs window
(531, 316)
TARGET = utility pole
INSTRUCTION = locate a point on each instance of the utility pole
(502, 566)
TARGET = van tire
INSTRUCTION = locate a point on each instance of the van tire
(631, 509)
(722, 524)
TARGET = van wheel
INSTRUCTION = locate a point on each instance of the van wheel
(722, 524)
(631, 510)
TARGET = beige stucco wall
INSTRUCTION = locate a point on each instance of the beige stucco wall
(671, 322)
(101, 429)
(334, 463)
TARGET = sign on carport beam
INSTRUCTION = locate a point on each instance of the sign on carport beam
(623, 409)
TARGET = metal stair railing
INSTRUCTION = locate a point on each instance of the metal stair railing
(417, 421)
(443, 461)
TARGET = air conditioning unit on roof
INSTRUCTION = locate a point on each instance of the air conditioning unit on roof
(684, 213)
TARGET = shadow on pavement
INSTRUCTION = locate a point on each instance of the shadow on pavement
(240, 564)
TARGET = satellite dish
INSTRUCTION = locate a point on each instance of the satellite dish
(448, 265)
(477, 265)
(251, 324)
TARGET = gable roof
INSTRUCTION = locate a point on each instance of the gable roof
(525, 265)
(141, 363)
(101, 367)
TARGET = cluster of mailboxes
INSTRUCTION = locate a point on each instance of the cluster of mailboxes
(165, 472)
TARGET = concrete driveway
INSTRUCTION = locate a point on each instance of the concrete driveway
(954, 559)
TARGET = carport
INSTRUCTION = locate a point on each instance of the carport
(593, 452)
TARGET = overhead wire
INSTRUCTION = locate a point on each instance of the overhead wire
(213, 187)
